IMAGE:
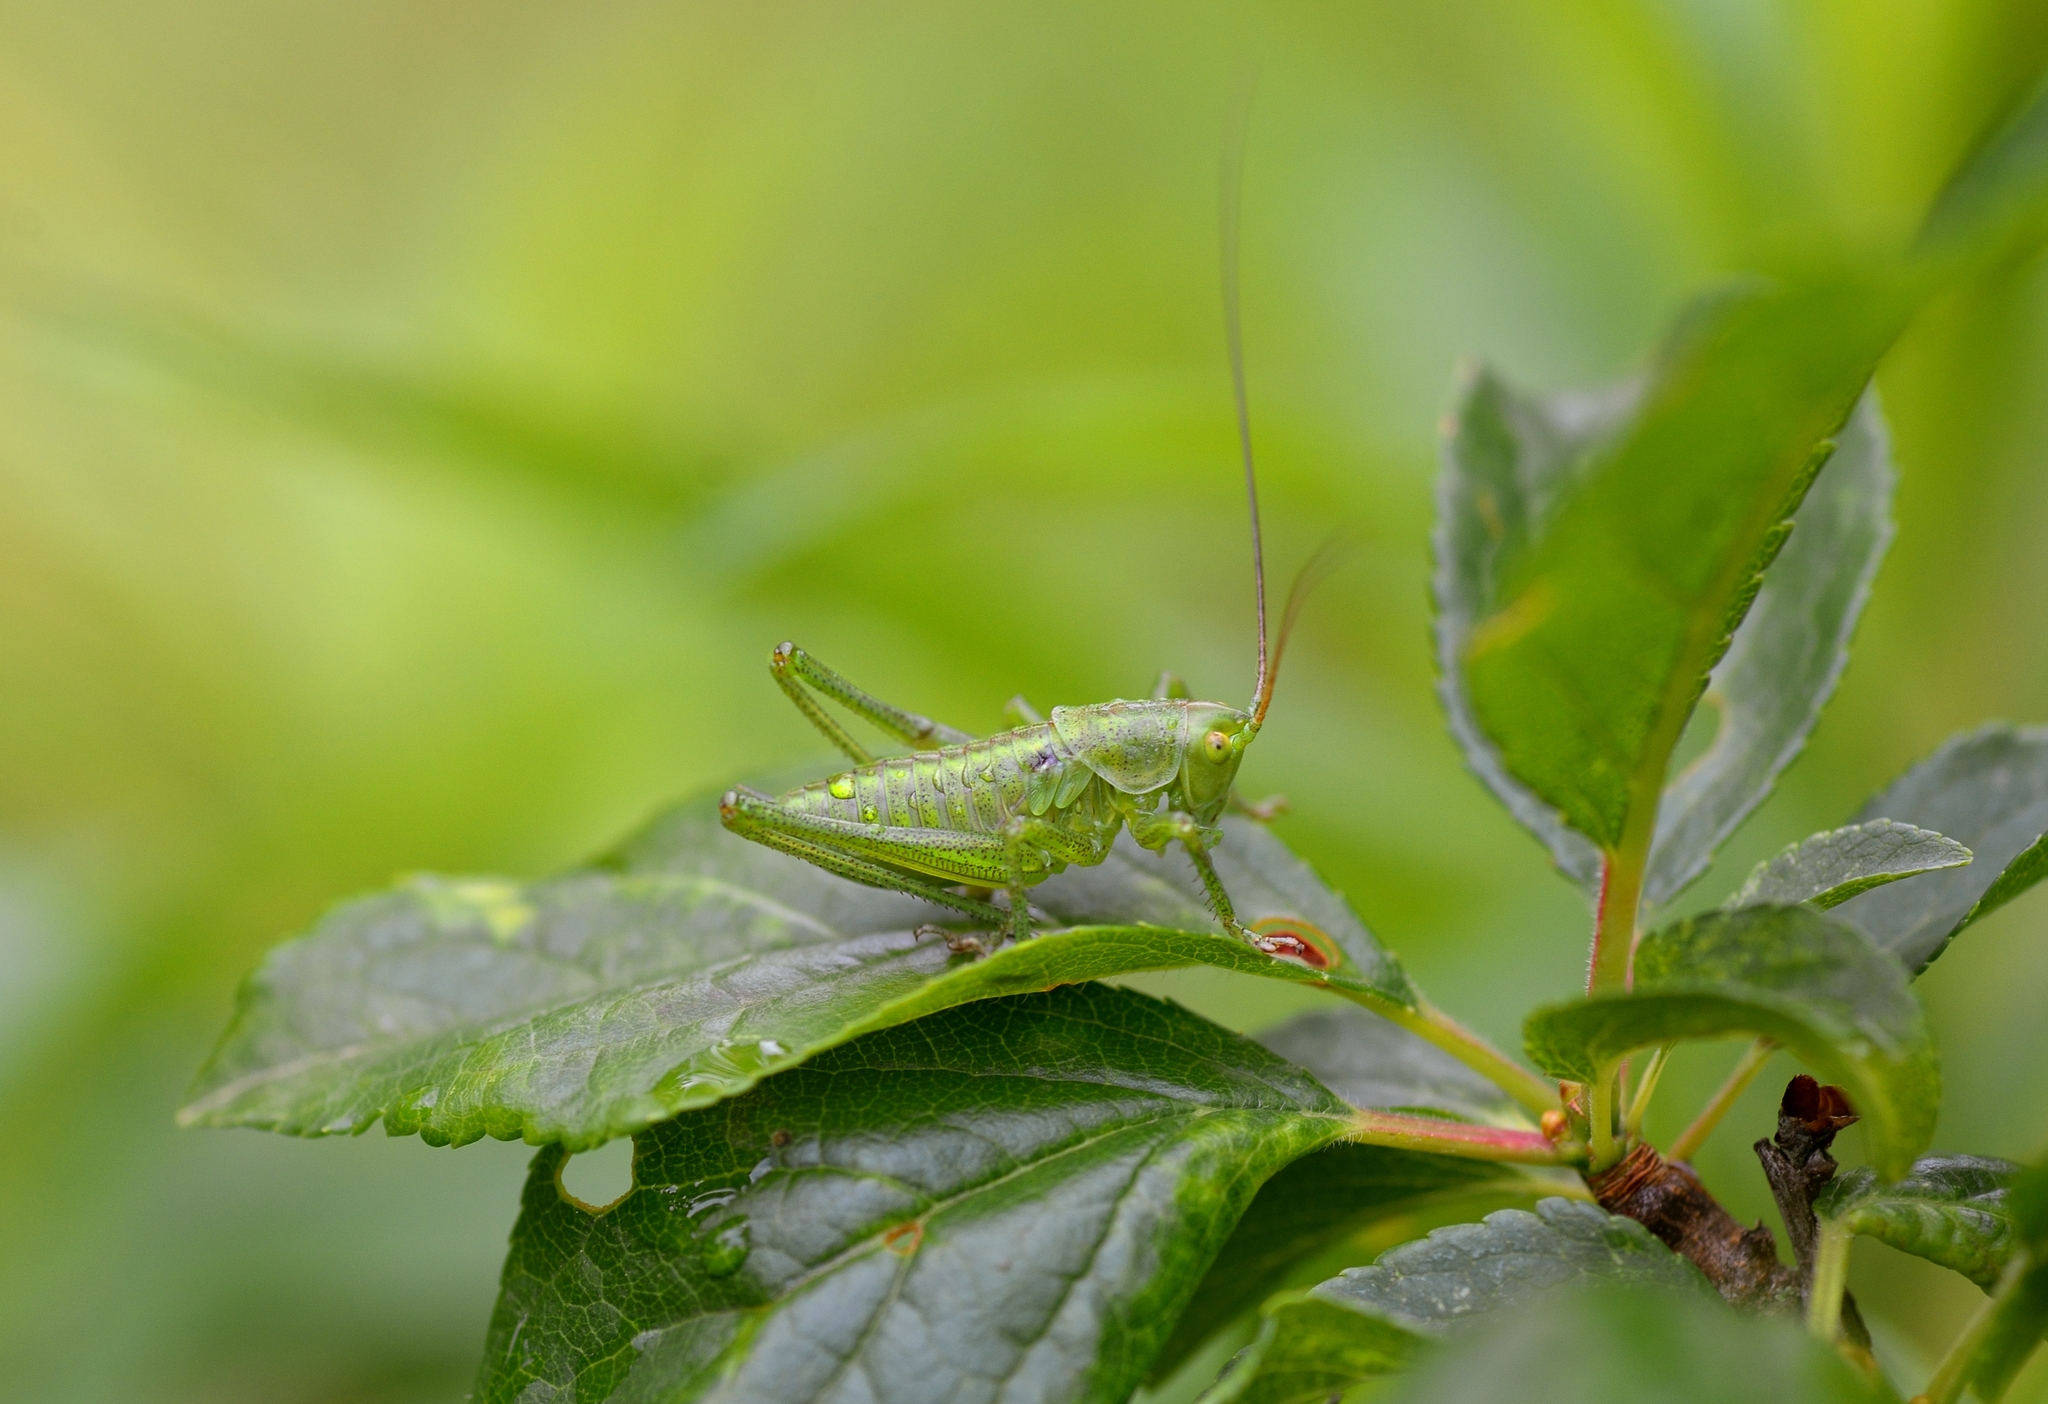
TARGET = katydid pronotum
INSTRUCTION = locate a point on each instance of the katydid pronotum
(963, 816)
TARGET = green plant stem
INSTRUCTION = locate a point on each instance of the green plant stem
(1600, 1117)
(1646, 1088)
(1460, 1138)
(1953, 1373)
(1431, 1024)
(1830, 1280)
(1621, 897)
(1694, 1136)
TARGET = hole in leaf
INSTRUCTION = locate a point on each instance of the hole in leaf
(595, 1180)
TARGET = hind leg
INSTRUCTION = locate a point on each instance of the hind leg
(758, 819)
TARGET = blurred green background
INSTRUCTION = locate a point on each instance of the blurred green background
(417, 422)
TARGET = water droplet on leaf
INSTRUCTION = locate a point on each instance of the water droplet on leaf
(726, 1250)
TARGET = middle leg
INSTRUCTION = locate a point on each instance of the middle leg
(1024, 837)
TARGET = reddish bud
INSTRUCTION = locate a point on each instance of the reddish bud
(1816, 1107)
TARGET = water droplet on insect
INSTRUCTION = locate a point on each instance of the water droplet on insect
(841, 787)
(868, 812)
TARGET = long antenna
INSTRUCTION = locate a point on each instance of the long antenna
(1233, 329)
(1331, 554)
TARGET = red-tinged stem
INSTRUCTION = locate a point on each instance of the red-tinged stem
(1429, 1133)
(1621, 896)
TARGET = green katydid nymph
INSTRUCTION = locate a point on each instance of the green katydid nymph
(962, 817)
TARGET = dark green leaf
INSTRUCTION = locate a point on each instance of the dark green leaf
(684, 971)
(1007, 1201)
(1338, 1206)
(1785, 660)
(1814, 984)
(1475, 1268)
(1613, 1344)
(1588, 652)
(1987, 788)
(1373, 1320)
(1507, 460)
(1950, 1209)
(1828, 869)
(1339, 1200)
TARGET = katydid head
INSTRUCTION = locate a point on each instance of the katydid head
(1188, 749)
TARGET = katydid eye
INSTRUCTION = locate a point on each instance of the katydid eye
(1217, 745)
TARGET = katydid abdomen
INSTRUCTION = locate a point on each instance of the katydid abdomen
(974, 788)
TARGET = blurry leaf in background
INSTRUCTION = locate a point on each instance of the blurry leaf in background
(1987, 789)
(421, 422)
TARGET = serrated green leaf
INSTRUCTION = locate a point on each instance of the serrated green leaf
(1827, 869)
(1949, 1209)
(1376, 1319)
(1337, 1197)
(1786, 657)
(1987, 788)
(1007, 1201)
(1814, 984)
(1612, 1344)
(1588, 653)
(1506, 461)
(1509, 460)
(689, 967)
